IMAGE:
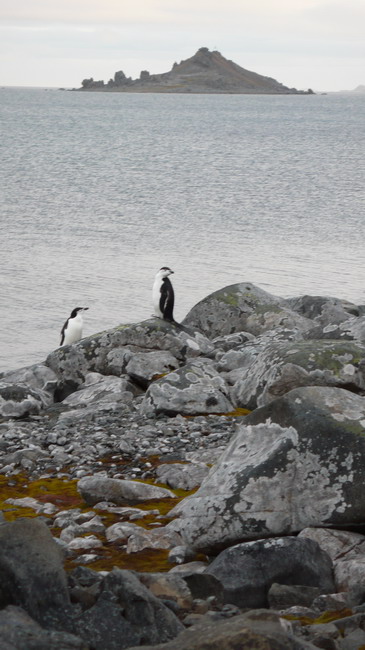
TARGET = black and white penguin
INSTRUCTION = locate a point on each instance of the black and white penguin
(163, 295)
(72, 329)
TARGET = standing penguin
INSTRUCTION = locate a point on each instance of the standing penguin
(72, 329)
(163, 295)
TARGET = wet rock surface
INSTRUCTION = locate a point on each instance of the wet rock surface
(134, 482)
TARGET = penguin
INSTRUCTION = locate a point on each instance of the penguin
(72, 329)
(163, 295)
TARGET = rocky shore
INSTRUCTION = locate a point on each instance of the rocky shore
(190, 486)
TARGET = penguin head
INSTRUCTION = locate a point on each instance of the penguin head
(76, 311)
(165, 271)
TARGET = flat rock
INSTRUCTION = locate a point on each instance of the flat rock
(94, 489)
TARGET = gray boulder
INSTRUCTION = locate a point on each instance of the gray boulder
(352, 329)
(248, 570)
(323, 310)
(18, 401)
(295, 463)
(284, 596)
(182, 476)
(281, 367)
(197, 388)
(32, 574)
(38, 377)
(126, 613)
(94, 489)
(99, 389)
(18, 631)
(257, 629)
(111, 351)
(26, 391)
(143, 367)
(245, 308)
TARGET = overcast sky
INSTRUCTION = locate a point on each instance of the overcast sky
(316, 44)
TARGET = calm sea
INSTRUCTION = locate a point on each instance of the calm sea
(98, 191)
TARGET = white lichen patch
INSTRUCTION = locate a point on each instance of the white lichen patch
(349, 369)
(329, 328)
(192, 344)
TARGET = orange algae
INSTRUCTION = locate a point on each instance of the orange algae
(326, 617)
(63, 493)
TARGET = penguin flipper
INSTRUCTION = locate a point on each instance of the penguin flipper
(167, 299)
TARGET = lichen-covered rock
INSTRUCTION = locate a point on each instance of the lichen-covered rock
(156, 539)
(111, 351)
(143, 367)
(231, 341)
(323, 310)
(295, 463)
(347, 551)
(181, 476)
(281, 367)
(337, 543)
(38, 377)
(26, 391)
(248, 570)
(18, 401)
(243, 307)
(196, 388)
(352, 329)
(121, 492)
(99, 389)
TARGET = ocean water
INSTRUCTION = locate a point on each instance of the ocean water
(99, 190)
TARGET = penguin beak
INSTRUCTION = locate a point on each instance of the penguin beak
(85, 308)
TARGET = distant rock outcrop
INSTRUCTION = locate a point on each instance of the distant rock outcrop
(205, 72)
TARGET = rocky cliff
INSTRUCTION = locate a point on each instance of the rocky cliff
(205, 72)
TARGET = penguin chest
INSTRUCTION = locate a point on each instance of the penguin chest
(73, 331)
(156, 297)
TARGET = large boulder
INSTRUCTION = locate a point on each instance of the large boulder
(243, 307)
(281, 367)
(196, 388)
(26, 391)
(347, 551)
(32, 574)
(18, 631)
(323, 310)
(295, 463)
(126, 613)
(38, 377)
(248, 570)
(19, 401)
(110, 352)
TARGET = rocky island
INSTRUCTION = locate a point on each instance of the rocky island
(193, 486)
(205, 72)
